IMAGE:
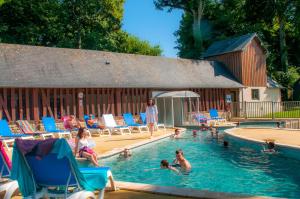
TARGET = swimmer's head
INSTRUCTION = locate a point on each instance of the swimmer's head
(271, 145)
(225, 143)
(177, 131)
(164, 164)
(194, 132)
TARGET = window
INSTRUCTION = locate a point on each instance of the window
(255, 94)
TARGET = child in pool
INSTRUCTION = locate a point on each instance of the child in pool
(82, 146)
(194, 133)
(126, 153)
(270, 147)
(164, 164)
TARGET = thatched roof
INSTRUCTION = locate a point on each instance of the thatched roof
(231, 45)
(32, 66)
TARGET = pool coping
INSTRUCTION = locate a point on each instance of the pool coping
(182, 192)
(135, 145)
(231, 133)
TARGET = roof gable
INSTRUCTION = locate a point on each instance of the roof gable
(231, 45)
(32, 66)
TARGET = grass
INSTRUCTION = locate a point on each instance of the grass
(286, 114)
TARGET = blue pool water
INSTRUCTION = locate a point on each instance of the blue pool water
(236, 169)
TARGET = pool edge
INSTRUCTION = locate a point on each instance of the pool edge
(182, 192)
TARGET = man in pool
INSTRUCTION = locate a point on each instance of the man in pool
(184, 164)
(177, 134)
(164, 164)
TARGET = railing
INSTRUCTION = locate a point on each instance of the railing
(267, 110)
(292, 124)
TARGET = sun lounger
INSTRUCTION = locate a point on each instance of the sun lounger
(50, 127)
(200, 118)
(129, 120)
(28, 129)
(55, 173)
(6, 185)
(94, 129)
(112, 125)
(214, 115)
(144, 121)
(8, 137)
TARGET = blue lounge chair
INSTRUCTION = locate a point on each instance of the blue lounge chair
(56, 173)
(8, 186)
(214, 114)
(144, 121)
(8, 136)
(200, 118)
(129, 120)
(94, 129)
(50, 127)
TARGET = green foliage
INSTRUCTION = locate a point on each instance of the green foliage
(87, 24)
(277, 22)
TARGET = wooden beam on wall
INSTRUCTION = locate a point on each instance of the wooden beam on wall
(61, 98)
(74, 102)
(67, 101)
(3, 103)
(27, 104)
(21, 109)
(118, 102)
(55, 103)
(35, 104)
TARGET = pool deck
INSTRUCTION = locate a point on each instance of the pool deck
(285, 137)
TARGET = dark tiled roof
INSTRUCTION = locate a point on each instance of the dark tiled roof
(272, 83)
(229, 45)
(32, 66)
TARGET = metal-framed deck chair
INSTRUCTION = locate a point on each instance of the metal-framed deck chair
(96, 130)
(144, 121)
(112, 125)
(214, 115)
(200, 118)
(54, 173)
(50, 127)
(129, 120)
(28, 129)
(8, 137)
(6, 185)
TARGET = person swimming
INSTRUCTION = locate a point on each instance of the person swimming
(184, 163)
(194, 133)
(126, 153)
(203, 127)
(270, 147)
(164, 164)
(225, 144)
(176, 134)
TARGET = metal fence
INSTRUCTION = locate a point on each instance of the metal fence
(271, 110)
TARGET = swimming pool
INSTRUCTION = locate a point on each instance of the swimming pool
(235, 169)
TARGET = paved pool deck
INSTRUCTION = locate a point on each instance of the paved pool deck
(287, 137)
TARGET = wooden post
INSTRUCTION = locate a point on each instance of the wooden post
(21, 110)
(67, 101)
(98, 103)
(118, 96)
(35, 104)
(61, 97)
(80, 105)
(55, 103)
(74, 101)
(27, 104)
(13, 104)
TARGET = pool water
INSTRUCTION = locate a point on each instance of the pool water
(235, 169)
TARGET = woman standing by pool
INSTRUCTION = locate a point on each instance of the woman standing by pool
(151, 115)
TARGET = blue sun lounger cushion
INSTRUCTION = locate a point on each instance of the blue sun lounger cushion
(143, 118)
(6, 132)
(58, 169)
(214, 114)
(94, 126)
(129, 120)
(50, 126)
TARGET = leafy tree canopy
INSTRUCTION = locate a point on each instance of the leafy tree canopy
(87, 24)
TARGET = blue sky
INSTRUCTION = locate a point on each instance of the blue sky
(144, 21)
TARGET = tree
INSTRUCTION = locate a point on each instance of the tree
(87, 24)
(195, 9)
